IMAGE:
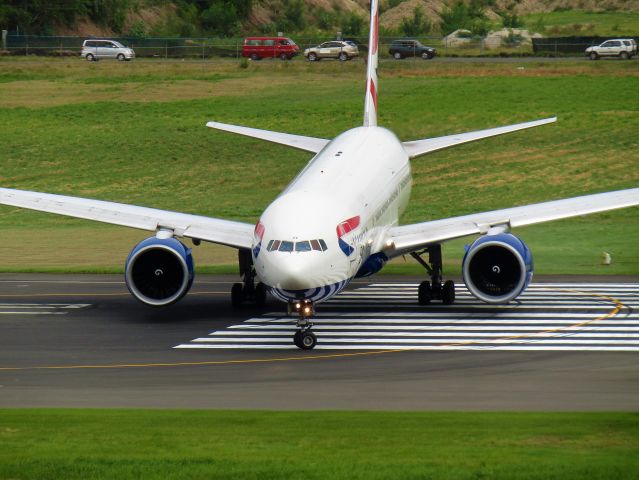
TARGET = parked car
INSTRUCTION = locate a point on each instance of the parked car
(94, 50)
(257, 48)
(619, 47)
(334, 49)
(410, 48)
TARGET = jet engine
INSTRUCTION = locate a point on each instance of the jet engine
(159, 271)
(497, 268)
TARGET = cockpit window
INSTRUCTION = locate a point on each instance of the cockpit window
(304, 246)
(301, 246)
(286, 246)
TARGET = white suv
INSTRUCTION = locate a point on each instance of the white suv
(94, 50)
(619, 47)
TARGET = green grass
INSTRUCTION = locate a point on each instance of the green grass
(123, 444)
(134, 133)
(578, 22)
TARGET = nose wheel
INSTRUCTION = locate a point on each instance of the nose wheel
(303, 338)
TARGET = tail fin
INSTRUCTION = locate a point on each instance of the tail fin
(370, 104)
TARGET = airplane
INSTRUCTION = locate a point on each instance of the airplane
(336, 221)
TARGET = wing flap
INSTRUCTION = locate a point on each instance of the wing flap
(308, 144)
(428, 145)
(225, 232)
(408, 238)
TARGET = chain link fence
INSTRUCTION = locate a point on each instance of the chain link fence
(212, 48)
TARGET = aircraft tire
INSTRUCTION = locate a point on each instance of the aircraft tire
(237, 295)
(308, 340)
(448, 292)
(424, 293)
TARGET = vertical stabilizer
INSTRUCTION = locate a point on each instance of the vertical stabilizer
(370, 104)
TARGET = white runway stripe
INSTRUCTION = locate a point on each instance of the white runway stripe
(571, 317)
(39, 308)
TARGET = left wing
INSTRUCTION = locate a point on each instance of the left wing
(225, 232)
(409, 238)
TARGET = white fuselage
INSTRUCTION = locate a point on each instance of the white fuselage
(332, 218)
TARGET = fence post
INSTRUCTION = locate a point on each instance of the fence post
(27, 47)
(4, 39)
(166, 49)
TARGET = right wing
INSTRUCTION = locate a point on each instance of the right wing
(225, 232)
(409, 238)
(308, 144)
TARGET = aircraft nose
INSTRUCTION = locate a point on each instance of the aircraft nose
(297, 274)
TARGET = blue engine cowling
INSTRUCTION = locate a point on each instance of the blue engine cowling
(159, 271)
(497, 268)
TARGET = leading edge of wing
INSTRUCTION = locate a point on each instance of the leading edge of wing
(225, 232)
(308, 144)
(408, 238)
(416, 148)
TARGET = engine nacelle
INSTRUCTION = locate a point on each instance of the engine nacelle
(497, 268)
(159, 271)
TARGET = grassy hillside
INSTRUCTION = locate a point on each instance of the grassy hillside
(135, 133)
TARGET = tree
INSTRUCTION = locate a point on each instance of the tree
(353, 25)
(467, 16)
(418, 25)
(220, 18)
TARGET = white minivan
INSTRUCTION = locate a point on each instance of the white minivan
(94, 50)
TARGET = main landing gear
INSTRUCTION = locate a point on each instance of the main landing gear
(303, 338)
(434, 290)
(247, 291)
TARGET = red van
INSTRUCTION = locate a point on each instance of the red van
(257, 48)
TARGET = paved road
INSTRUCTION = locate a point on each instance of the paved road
(69, 340)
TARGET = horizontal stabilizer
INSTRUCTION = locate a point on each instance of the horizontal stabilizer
(308, 144)
(422, 147)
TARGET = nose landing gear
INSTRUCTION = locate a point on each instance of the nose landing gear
(303, 338)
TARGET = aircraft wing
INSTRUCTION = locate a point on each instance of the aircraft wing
(417, 148)
(225, 232)
(409, 238)
(308, 144)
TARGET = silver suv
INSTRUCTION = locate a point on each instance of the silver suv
(619, 47)
(94, 50)
(334, 49)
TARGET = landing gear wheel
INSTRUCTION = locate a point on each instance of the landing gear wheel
(448, 293)
(297, 339)
(307, 340)
(424, 294)
(237, 295)
(260, 294)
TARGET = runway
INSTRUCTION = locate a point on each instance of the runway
(554, 316)
(83, 341)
